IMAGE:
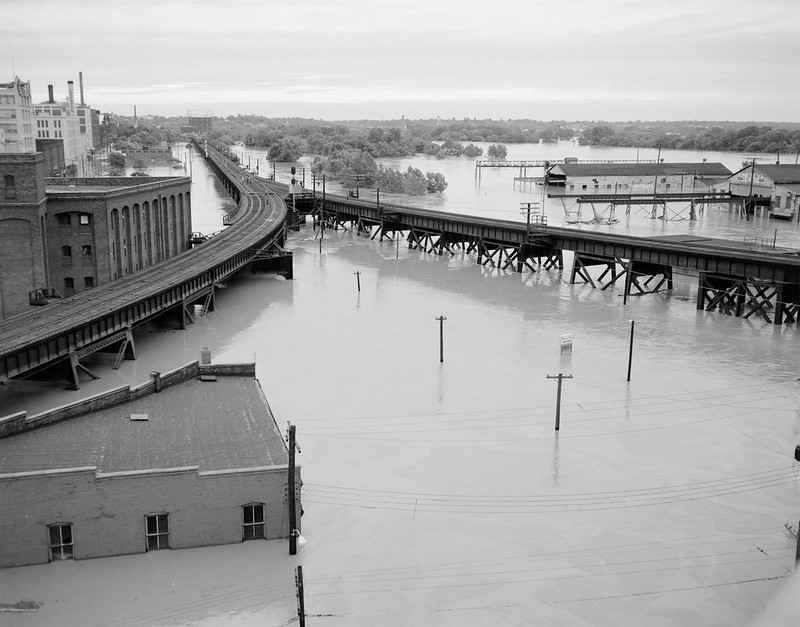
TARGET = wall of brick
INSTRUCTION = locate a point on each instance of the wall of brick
(23, 266)
(107, 511)
(134, 225)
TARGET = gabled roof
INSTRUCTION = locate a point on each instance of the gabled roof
(780, 173)
(642, 169)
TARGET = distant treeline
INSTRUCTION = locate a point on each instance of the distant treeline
(292, 137)
(726, 136)
(347, 150)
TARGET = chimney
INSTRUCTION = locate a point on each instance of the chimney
(80, 82)
(71, 96)
(50, 93)
(156, 377)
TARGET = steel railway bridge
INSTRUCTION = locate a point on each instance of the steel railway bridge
(736, 278)
(733, 278)
(66, 331)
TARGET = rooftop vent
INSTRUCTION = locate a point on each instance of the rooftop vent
(139, 417)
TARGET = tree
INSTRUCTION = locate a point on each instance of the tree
(287, 149)
(116, 162)
(436, 182)
(497, 151)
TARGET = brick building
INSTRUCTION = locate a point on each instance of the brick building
(59, 236)
(192, 458)
(101, 229)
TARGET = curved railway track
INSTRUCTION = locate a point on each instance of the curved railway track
(257, 224)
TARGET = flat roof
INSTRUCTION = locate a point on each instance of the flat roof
(223, 424)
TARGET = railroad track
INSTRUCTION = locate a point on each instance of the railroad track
(258, 223)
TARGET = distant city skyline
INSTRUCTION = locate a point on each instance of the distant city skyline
(613, 60)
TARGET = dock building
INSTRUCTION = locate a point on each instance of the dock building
(635, 177)
(774, 186)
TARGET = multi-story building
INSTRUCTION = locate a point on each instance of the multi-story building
(102, 229)
(60, 120)
(16, 118)
(60, 236)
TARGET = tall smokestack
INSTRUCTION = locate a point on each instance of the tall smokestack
(50, 93)
(71, 97)
(80, 82)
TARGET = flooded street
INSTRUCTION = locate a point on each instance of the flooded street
(440, 493)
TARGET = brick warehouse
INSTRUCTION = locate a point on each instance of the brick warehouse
(192, 458)
(64, 235)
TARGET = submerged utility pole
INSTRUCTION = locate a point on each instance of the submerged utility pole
(322, 216)
(630, 350)
(301, 604)
(560, 377)
(441, 320)
(358, 278)
(290, 496)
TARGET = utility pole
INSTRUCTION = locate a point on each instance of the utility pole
(560, 377)
(301, 605)
(441, 320)
(630, 350)
(291, 496)
(322, 216)
(655, 187)
(358, 278)
(749, 205)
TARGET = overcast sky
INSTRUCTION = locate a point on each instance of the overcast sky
(349, 59)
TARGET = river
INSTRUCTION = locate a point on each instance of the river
(439, 493)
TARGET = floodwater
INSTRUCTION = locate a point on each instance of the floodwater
(439, 492)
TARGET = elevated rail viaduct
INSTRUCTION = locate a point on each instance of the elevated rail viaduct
(102, 318)
(733, 277)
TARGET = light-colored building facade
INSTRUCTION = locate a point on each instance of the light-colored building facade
(192, 458)
(16, 118)
(60, 120)
(773, 185)
(635, 178)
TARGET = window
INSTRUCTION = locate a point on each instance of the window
(66, 252)
(86, 251)
(85, 218)
(60, 541)
(253, 515)
(157, 532)
(69, 284)
(64, 219)
(10, 186)
(88, 282)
